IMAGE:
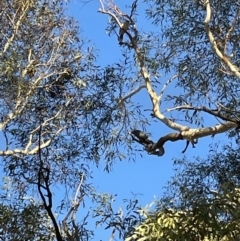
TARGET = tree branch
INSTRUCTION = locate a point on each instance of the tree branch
(24, 6)
(26, 150)
(165, 86)
(72, 211)
(35, 150)
(215, 113)
(132, 93)
(43, 176)
(221, 55)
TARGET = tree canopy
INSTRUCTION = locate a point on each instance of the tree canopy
(62, 112)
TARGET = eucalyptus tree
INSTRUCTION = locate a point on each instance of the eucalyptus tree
(201, 202)
(24, 222)
(59, 114)
(192, 47)
(60, 111)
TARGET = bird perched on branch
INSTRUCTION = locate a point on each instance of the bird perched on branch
(144, 140)
(123, 29)
(142, 137)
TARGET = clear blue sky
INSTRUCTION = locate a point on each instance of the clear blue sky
(149, 174)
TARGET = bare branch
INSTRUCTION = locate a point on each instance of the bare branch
(192, 133)
(153, 95)
(35, 150)
(110, 13)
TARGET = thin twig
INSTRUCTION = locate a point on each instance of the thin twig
(133, 92)
(215, 113)
(165, 86)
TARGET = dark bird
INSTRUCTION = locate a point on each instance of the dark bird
(143, 139)
(123, 29)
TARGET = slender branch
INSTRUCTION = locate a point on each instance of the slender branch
(204, 109)
(34, 150)
(72, 211)
(104, 11)
(221, 55)
(6, 138)
(133, 92)
(120, 215)
(113, 234)
(134, 7)
(165, 86)
(44, 174)
(25, 5)
(78, 190)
